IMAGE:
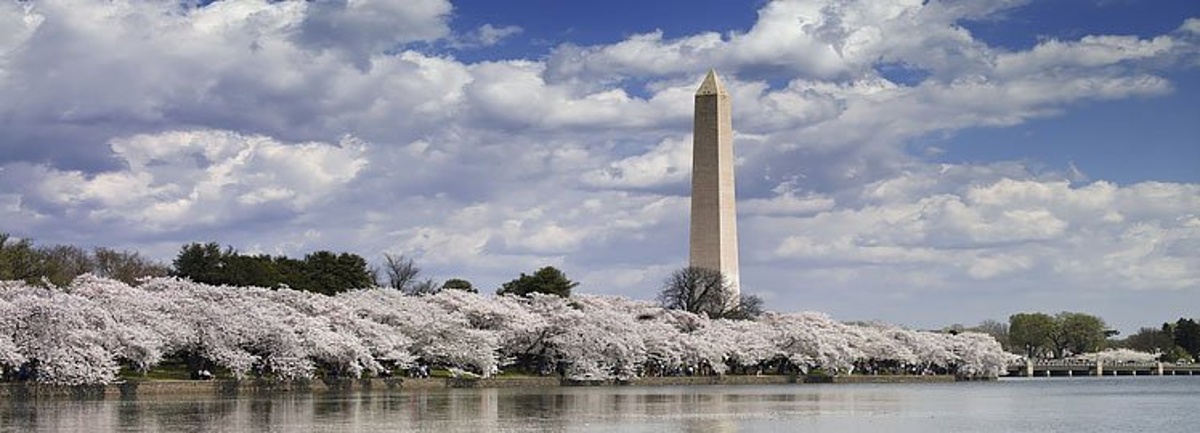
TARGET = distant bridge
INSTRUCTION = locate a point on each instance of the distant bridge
(1069, 368)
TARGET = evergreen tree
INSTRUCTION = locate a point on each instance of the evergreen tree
(330, 273)
(547, 280)
(1187, 337)
(202, 263)
(459, 284)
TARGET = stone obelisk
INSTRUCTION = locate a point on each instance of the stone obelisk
(714, 243)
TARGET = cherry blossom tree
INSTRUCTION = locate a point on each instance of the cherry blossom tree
(63, 338)
(10, 355)
(1117, 356)
(81, 333)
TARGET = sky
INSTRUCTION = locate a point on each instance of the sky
(917, 162)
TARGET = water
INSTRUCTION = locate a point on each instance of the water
(1119, 404)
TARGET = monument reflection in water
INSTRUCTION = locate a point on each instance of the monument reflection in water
(1155, 404)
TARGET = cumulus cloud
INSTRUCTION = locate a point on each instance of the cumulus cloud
(670, 162)
(362, 28)
(824, 39)
(82, 71)
(1097, 236)
(175, 180)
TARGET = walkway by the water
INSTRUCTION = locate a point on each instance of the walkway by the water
(1071, 368)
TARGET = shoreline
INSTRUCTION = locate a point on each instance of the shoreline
(232, 388)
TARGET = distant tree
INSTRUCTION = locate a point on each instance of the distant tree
(459, 284)
(62, 263)
(247, 270)
(1042, 335)
(1030, 333)
(1150, 340)
(19, 260)
(706, 291)
(322, 271)
(1078, 333)
(996, 329)
(330, 273)
(428, 286)
(696, 290)
(202, 263)
(749, 307)
(548, 280)
(1186, 334)
(401, 271)
(292, 273)
(125, 266)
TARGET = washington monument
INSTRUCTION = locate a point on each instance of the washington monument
(714, 242)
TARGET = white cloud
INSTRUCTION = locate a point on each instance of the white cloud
(824, 39)
(787, 200)
(363, 28)
(179, 179)
(668, 163)
(1092, 237)
(485, 36)
(1190, 25)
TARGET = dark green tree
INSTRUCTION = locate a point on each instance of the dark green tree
(547, 280)
(245, 270)
(1031, 333)
(202, 263)
(330, 273)
(1078, 333)
(321, 271)
(1041, 335)
(1186, 334)
(459, 284)
(291, 273)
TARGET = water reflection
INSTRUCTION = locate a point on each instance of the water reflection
(716, 409)
(687, 409)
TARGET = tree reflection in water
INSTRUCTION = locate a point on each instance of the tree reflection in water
(1010, 405)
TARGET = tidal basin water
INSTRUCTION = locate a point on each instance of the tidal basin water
(1120, 404)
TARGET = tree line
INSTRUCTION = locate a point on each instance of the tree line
(322, 271)
(1037, 335)
(21, 260)
(692, 289)
(1175, 341)
(319, 272)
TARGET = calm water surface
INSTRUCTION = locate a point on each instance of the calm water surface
(1121, 404)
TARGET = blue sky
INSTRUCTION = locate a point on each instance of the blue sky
(917, 162)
